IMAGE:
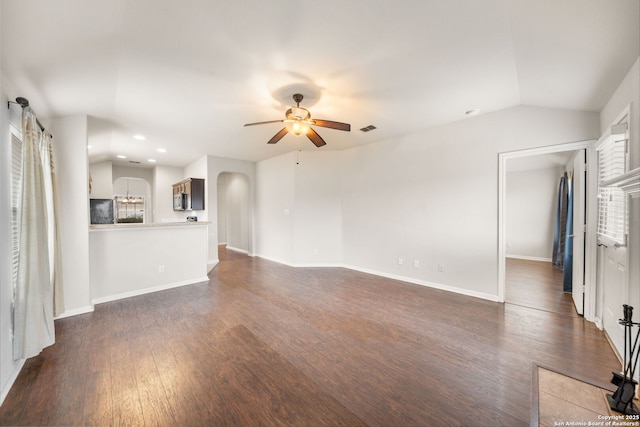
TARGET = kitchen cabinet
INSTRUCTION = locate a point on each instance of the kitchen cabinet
(193, 188)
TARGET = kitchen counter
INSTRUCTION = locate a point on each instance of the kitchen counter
(93, 227)
(133, 259)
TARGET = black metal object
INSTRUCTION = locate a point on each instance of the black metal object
(622, 399)
(24, 103)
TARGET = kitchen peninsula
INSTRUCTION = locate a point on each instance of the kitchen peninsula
(134, 259)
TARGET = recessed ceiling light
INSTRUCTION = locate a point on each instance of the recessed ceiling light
(152, 160)
(473, 112)
(139, 137)
(88, 146)
(161, 150)
(120, 156)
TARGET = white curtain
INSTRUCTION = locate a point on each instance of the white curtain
(38, 283)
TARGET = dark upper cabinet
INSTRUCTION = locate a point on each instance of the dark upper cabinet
(193, 188)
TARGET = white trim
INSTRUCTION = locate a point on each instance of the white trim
(211, 264)
(529, 258)
(321, 264)
(301, 265)
(279, 261)
(152, 289)
(6, 387)
(243, 251)
(440, 286)
(590, 237)
(75, 312)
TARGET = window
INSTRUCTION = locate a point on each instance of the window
(612, 201)
(129, 209)
(16, 201)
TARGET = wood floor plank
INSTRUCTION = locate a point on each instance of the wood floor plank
(266, 344)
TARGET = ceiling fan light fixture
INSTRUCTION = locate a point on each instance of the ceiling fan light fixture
(297, 127)
(298, 122)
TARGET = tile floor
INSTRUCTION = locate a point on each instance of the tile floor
(565, 401)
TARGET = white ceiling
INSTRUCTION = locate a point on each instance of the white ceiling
(188, 74)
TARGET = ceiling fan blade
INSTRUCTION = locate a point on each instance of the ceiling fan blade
(315, 138)
(262, 123)
(278, 136)
(332, 125)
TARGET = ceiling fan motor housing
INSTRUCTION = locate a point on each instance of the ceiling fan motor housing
(298, 113)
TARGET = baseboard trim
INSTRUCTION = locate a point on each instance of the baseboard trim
(529, 258)
(242, 251)
(75, 312)
(211, 265)
(279, 261)
(6, 387)
(135, 293)
(439, 286)
(301, 265)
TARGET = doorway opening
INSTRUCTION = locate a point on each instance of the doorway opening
(234, 212)
(524, 256)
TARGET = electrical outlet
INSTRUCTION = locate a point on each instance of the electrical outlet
(416, 263)
(440, 268)
(161, 268)
(400, 261)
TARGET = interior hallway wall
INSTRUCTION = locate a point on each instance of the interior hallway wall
(234, 202)
(531, 203)
(216, 166)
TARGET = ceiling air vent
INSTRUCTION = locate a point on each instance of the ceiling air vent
(368, 128)
(134, 162)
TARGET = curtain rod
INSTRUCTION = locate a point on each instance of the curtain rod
(24, 102)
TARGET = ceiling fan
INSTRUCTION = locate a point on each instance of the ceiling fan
(298, 121)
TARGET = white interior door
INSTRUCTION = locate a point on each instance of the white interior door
(579, 207)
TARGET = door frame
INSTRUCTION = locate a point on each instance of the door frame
(590, 213)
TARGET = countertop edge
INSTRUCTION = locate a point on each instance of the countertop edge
(102, 227)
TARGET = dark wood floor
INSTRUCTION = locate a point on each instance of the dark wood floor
(537, 284)
(265, 344)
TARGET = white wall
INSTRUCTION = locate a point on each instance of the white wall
(222, 184)
(618, 268)
(531, 203)
(164, 177)
(432, 196)
(101, 180)
(318, 208)
(70, 152)
(429, 197)
(275, 202)
(234, 210)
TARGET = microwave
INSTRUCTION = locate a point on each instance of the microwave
(179, 202)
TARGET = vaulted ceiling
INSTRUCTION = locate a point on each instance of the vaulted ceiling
(188, 74)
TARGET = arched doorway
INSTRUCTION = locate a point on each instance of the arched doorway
(234, 211)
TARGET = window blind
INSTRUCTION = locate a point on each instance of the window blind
(612, 201)
(16, 202)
